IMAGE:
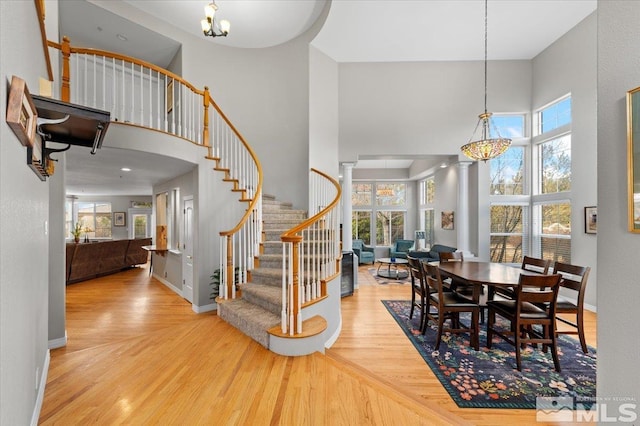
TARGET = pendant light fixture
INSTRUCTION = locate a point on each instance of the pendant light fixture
(484, 147)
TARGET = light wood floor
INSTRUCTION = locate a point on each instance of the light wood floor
(137, 354)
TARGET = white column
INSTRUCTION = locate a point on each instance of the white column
(347, 177)
(462, 217)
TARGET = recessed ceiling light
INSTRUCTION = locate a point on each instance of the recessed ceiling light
(121, 37)
(443, 165)
(125, 169)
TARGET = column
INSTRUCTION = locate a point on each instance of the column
(347, 178)
(462, 216)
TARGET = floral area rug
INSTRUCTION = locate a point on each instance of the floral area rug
(384, 281)
(488, 378)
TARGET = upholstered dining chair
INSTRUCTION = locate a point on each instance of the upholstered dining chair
(419, 291)
(533, 293)
(574, 279)
(449, 306)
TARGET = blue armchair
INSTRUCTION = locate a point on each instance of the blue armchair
(365, 253)
(400, 248)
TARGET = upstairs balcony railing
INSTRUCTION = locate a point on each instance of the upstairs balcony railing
(139, 93)
(311, 252)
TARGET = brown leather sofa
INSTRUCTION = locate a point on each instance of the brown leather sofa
(85, 261)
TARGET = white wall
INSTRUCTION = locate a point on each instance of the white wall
(422, 108)
(618, 265)
(24, 242)
(569, 66)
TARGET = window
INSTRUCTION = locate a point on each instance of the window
(555, 165)
(378, 218)
(551, 205)
(389, 227)
(507, 172)
(554, 116)
(508, 235)
(427, 190)
(94, 218)
(361, 225)
(429, 226)
(390, 194)
(555, 240)
(509, 126)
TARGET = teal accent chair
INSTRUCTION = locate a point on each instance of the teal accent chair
(365, 253)
(401, 248)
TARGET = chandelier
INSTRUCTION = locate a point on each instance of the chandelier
(210, 25)
(484, 147)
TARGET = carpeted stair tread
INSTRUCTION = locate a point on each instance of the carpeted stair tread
(266, 296)
(251, 319)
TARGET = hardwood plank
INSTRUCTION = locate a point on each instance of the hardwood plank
(138, 354)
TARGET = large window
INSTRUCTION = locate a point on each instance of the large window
(94, 218)
(552, 208)
(508, 189)
(429, 217)
(379, 211)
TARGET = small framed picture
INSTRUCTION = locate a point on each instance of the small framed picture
(21, 113)
(119, 219)
(591, 220)
(447, 220)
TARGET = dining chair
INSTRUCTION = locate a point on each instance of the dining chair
(449, 306)
(461, 287)
(528, 264)
(419, 291)
(533, 293)
(574, 278)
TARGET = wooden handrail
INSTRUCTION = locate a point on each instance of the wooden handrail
(114, 55)
(290, 235)
(43, 34)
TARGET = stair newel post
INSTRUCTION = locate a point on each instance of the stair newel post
(65, 91)
(229, 275)
(295, 303)
(205, 120)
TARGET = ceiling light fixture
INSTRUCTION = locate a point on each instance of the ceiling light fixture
(125, 169)
(485, 147)
(210, 25)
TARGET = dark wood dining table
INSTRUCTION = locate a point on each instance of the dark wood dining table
(478, 274)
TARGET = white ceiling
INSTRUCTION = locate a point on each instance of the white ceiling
(355, 31)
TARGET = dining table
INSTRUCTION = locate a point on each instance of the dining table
(479, 274)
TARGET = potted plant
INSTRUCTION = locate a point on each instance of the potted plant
(215, 282)
(76, 231)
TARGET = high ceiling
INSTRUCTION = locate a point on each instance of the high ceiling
(354, 31)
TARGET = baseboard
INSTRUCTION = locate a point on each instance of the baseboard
(58, 343)
(332, 339)
(206, 308)
(41, 385)
(590, 308)
(168, 284)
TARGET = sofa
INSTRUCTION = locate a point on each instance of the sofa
(400, 248)
(365, 253)
(432, 255)
(85, 261)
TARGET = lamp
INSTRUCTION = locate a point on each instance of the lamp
(485, 147)
(209, 24)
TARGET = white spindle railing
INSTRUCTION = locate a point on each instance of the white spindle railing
(139, 93)
(311, 252)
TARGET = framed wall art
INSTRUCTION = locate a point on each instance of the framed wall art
(633, 158)
(591, 220)
(119, 219)
(447, 220)
(21, 113)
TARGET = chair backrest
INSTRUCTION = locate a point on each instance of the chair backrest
(536, 265)
(402, 245)
(538, 290)
(417, 273)
(357, 244)
(574, 277)
(434, 279)
(455, 256)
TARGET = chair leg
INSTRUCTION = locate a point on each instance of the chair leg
(413, 303)
(475, 335)
(491, 319)
(579, 323)
(516, 339)
(440, 327)
(554, 349)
